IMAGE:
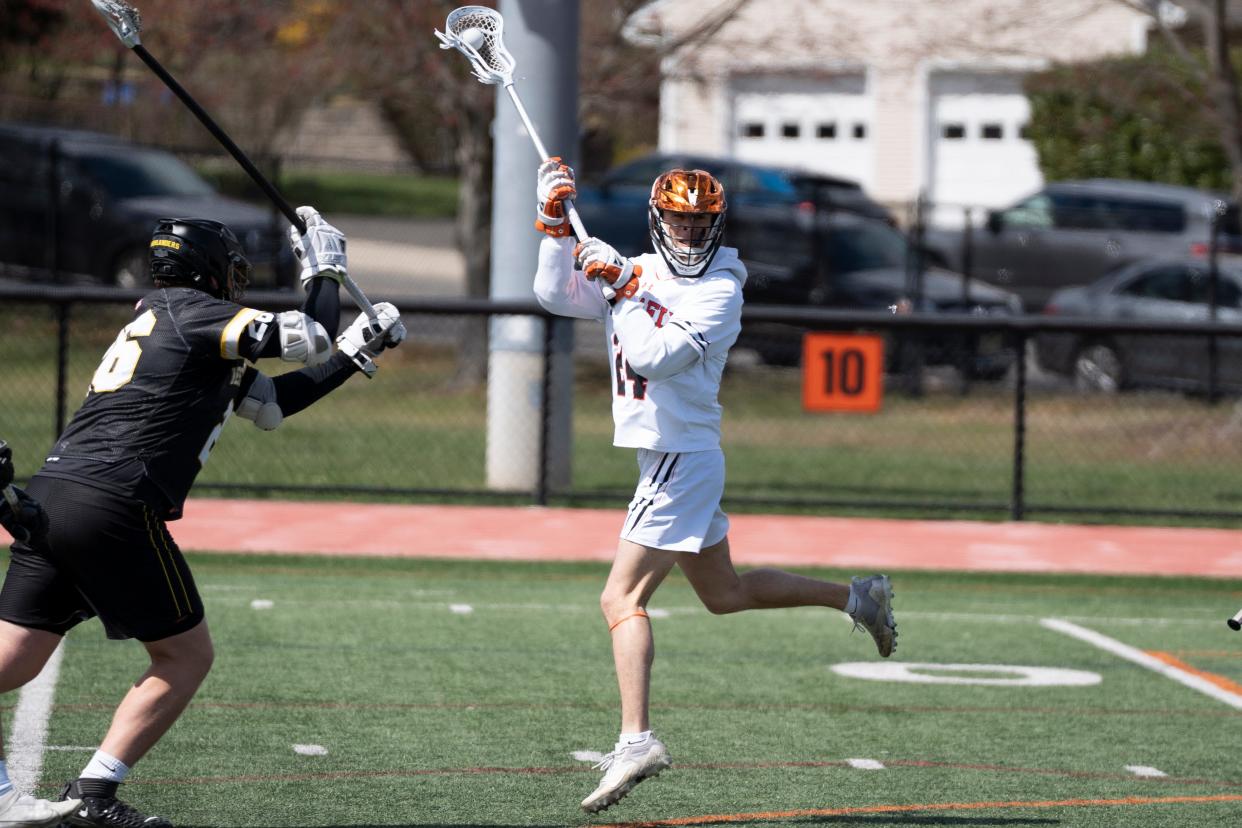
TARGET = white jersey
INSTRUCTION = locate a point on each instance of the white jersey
(668, 343)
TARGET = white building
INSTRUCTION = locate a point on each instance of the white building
(903, 96)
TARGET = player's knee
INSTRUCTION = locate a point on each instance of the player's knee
(190, 660)
(18, 675)
(723, 603)
(616, 605)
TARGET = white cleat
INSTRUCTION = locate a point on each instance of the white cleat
(19, 810)
(871, 608)
(624, 768)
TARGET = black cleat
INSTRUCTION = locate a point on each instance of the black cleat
(100, 807)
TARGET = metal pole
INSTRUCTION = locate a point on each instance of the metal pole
(1017, 505)
(545, 418)
(542, 36)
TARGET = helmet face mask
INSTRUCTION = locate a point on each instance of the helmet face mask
(201, 254)
(686, 219)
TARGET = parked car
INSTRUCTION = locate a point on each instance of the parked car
(807, 240)
(864, 264)
(1073, 232)
(96, 206)
(760, 198)
(1170, 290)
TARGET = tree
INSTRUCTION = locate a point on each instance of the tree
(1171, 114)
(1210, 62)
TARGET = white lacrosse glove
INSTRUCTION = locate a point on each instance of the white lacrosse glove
(321, 250)
(363, 340)
(598, 260)
(555, 183)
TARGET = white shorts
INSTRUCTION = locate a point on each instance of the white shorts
(677, 503)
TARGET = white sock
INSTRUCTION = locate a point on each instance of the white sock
(634, 738)
(105, 766)
(5, 784)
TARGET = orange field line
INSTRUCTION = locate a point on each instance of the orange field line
(1220, 681)
(932, 806)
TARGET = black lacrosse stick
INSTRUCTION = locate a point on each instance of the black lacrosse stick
(6, 465)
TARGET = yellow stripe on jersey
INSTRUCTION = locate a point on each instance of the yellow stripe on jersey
(231, 335)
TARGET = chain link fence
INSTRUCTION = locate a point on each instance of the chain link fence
(1029, 444)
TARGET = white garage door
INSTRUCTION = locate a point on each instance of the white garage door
(821, 124)
(980, 155)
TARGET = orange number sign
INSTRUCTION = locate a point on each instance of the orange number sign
(842, 372)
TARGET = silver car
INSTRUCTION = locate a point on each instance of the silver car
(1073, 232)
(1158, 291)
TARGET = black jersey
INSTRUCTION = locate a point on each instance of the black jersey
(161, 396)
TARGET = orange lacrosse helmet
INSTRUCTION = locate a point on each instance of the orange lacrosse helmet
(687, 219)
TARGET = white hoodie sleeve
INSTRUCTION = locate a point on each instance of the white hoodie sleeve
(563, 290)
(704, 327)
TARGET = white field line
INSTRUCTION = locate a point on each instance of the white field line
(587, 755)
(310, 750)
(1137, 656)
(1146, 771)
(28, 738)
(668, 612)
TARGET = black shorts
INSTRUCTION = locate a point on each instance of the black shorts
(104, 555)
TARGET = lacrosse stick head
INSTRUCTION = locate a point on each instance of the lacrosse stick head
(123, 19)
(476, 32)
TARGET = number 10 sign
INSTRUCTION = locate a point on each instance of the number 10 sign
(842, 372)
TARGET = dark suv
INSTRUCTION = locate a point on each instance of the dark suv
(90, 212)
(1072, 232)
(807, 240)
(760, 197)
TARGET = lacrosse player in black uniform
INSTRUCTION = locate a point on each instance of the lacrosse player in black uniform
(124, 465)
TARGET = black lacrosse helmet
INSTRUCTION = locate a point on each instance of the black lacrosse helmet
(201, 254)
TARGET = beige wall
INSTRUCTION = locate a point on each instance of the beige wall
(897, 42)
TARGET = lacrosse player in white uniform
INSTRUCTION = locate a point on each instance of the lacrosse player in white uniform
(670, 318)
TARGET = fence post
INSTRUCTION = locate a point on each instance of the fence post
(62, 364)
(51, 250)
(1017, 505)
(1213, 298)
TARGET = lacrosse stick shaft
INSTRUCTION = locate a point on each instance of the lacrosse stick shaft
(351, 287)
(1235, 623)
(571, 212)
(222, 137)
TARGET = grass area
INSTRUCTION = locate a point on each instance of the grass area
(431, 715)
(337, 193)
(413, 427)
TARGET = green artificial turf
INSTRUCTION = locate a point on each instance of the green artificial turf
(432, 716)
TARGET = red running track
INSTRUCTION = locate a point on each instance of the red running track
(535, 533)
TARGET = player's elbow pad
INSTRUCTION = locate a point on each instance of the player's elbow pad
(303, 340)
(260, 405)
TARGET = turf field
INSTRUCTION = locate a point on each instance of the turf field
(458, 693)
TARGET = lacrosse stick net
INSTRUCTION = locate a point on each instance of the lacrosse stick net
(124, 20)
(477, 32)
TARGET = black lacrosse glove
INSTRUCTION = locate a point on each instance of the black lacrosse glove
(27, 522)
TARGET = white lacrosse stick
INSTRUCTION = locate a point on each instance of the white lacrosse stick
(476, 31)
